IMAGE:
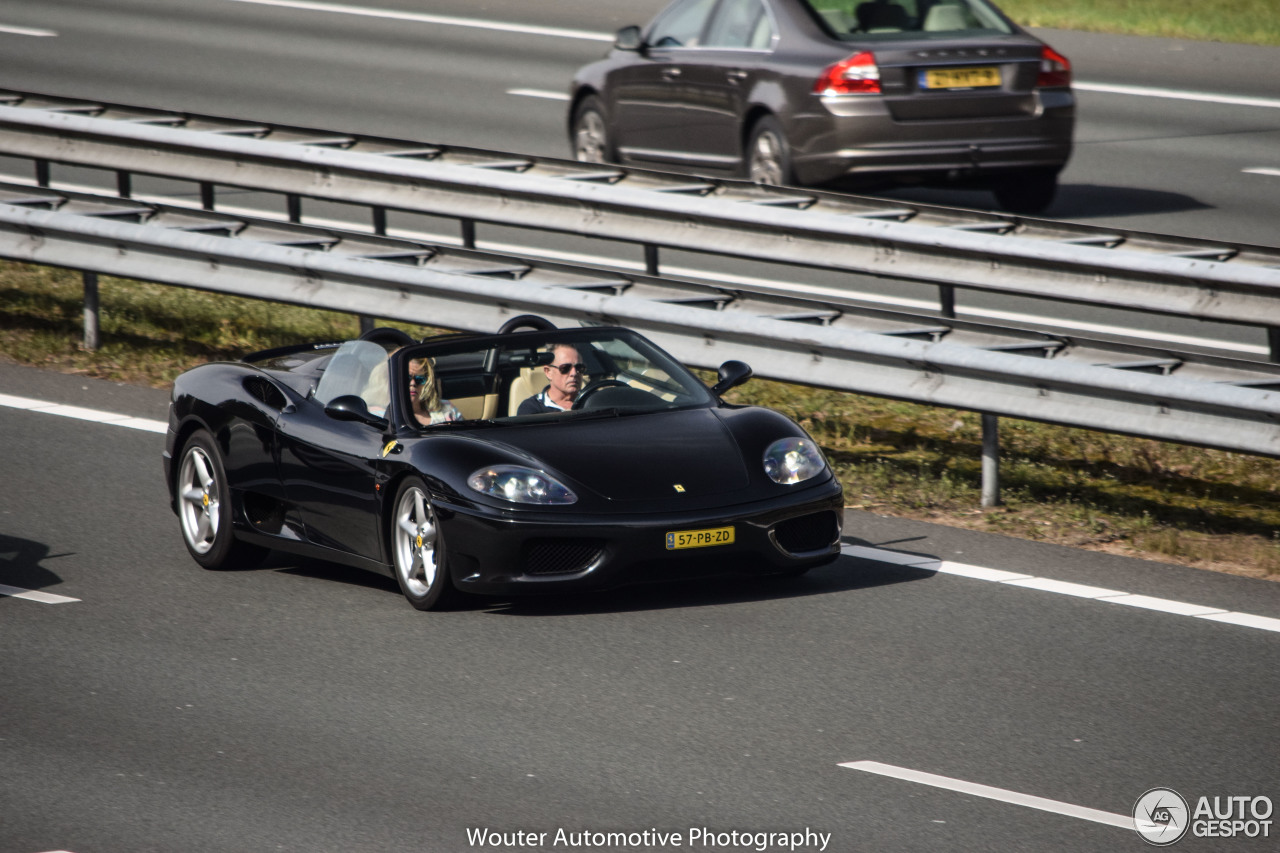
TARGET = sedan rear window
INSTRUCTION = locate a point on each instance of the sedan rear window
(849, 20)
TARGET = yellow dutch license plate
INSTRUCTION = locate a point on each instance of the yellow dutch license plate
(960, 78)
(707, 538)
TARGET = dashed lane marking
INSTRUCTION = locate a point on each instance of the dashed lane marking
(80, 413)
(26, 31)
(988, 792)
(442, 20)
(34, 595)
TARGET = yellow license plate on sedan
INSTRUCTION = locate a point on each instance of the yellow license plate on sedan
(707, 538)
(960, 78)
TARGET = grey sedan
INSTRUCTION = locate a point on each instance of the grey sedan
(833, 93)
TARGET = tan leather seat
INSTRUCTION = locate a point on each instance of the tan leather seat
(530, 381)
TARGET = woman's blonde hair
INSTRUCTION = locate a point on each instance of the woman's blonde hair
(428, 397)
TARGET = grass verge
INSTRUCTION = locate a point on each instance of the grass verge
(1245, 22)
(1202, 508)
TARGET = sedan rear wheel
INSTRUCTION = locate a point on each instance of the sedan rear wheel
(417, 549)
(204, 508)
(1029, 192)
(768, 156)
(590, 134)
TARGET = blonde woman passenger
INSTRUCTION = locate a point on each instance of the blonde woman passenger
(424, 390)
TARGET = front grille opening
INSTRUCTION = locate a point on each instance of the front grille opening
(807, 533)
(560, 556)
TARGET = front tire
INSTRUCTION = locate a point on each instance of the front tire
(768, 154)
(591, 133)
(204, 509)
(417, 549)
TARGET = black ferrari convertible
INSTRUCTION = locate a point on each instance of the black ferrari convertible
(524, 461)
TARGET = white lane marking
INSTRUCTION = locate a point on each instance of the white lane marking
(421, 18)
(539, 93)
(1002, 794)
(34, 595)
(1149, 92)
(26, 31)
(1262, 170)
(112, 418)
(1097, 593)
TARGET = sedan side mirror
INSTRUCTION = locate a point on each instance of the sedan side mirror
(731, 375)
(349, 407)
(628, 38)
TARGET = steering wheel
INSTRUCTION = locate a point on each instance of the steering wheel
(594, 387)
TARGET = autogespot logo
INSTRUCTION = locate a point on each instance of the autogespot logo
(1161, 817)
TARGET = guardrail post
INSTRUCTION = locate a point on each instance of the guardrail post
(468, 233)
(990, 460)
(947, 301)
(650, 259)
(206, 195)
(294, 203)
(42, 173)
(124, 184)
(379, 228)
(92, 337)
(1273, 343)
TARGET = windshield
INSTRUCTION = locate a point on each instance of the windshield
(850, 20)
(539, 376)
(359, 368)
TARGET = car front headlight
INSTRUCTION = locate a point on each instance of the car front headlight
(521, 485)
(793, 460)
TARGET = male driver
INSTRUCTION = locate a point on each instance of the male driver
(565, 373)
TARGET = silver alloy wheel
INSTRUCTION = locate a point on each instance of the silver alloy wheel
(416, 539)
(199, 503)
(590, 137)
(766, 159)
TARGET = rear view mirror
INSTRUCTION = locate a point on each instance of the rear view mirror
(628, 38)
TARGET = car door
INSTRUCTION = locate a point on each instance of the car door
(736, 50)
(330, 467)
(653, 117)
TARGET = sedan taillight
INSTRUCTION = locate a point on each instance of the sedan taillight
(1055, 70)
(857, 75)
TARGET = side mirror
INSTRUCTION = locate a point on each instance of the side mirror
(628, 38)
(349, 407)
(731, 375)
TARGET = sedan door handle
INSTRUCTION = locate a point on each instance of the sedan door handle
(671, 73)
(737, 75)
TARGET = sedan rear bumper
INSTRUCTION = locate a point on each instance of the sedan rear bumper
(491, 553)
(848, 140)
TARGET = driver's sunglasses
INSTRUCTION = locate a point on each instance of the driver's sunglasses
(566, 367)
(420, 378)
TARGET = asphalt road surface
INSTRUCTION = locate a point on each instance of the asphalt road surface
(149, 705)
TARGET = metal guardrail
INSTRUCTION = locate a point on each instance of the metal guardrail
(379, 279)
(1074, 381)
(949, 248)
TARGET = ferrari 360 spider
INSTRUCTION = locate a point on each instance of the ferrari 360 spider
(413, 459)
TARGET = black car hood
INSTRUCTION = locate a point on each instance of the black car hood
(638, 457)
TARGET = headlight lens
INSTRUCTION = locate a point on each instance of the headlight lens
(521, 485)
(793, 460)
